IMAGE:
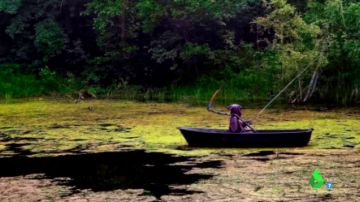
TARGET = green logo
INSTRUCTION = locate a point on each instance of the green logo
(316, 180)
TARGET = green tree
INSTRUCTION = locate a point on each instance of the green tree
(341, 20)
(296, 42)
(49, 38)
(10, 6)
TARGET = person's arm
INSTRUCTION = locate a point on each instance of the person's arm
(245, 125)
(242, 125)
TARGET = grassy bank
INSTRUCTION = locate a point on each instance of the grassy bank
(17, 81)
(21, 81)
(250, 88)
(195, 95)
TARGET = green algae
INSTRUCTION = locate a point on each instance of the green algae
(56, 126)
(328, 133)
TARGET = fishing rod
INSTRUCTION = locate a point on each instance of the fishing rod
(210, 104)
(321, 54)
(276, 96)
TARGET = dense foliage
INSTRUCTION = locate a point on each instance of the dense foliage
(176, 48)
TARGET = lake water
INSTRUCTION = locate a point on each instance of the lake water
(106, 150)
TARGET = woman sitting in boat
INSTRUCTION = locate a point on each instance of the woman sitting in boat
(236, 123)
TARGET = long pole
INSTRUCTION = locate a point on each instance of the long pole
(292, 81)
(287, 86)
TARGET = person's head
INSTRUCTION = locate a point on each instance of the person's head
(235, 109)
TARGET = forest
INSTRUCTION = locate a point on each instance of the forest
(124, 100)
(182, 50)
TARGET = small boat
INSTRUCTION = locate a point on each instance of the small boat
(202, 137)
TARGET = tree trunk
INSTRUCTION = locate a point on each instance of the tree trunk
(123, 21)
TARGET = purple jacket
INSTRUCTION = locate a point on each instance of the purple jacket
(236, 124)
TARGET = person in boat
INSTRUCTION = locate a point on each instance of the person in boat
(236, 123)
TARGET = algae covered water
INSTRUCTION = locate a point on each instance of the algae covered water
(121, 150)
(52, 127)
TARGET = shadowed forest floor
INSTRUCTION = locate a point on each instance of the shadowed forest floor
(126, 151)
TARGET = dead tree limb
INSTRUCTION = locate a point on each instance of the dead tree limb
(312, 85)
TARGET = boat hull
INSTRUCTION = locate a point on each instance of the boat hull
(200, 137)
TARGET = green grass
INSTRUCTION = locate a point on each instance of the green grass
(17, 82)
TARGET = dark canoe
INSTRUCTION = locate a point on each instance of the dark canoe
(201, 137)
